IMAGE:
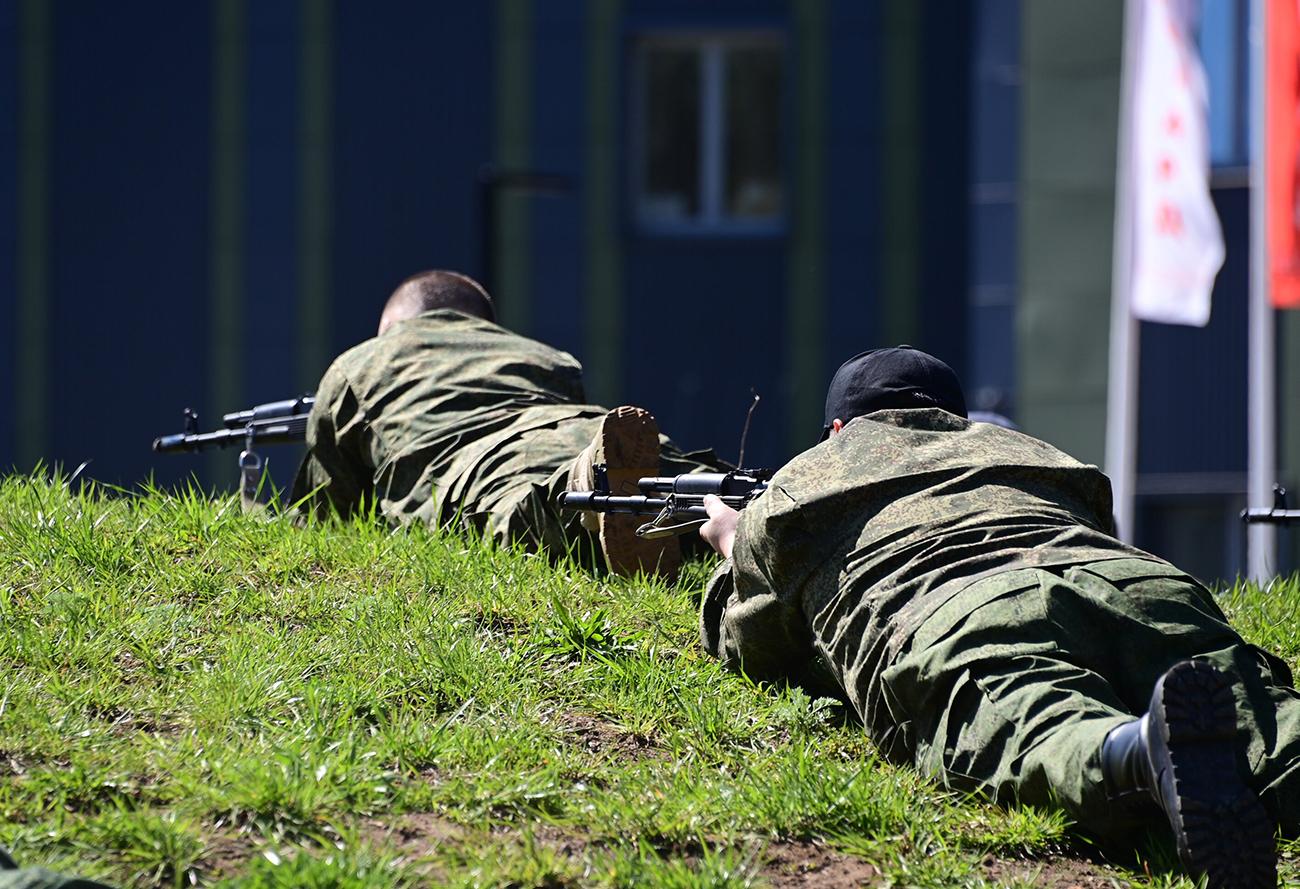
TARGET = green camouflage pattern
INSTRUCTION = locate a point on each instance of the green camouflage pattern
(455, 421)
(959, 583)
(14, 877)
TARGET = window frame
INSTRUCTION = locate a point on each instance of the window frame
(712, 45)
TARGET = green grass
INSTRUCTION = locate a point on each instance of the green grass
(190, 696)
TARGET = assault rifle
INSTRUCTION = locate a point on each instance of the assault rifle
(675, 501)
(1277, 515)
(277, 422)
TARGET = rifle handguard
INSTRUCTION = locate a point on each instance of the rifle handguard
(680, 496)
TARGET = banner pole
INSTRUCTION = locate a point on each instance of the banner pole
(1122, 380)
(1261, 538)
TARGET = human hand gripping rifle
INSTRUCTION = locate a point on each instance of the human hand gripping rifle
(675, 501)
(277, 422)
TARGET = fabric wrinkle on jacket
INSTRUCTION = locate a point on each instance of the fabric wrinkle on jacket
(446, 419)
(861, 538)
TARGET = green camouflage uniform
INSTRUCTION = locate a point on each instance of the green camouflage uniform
(961, 584)
(451, 420)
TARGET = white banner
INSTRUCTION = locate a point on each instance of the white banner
(1177, 242)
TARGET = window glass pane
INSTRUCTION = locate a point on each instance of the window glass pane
(753, 169)
(672, 134)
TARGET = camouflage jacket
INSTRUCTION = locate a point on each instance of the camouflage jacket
(859, 539)
(441, 417)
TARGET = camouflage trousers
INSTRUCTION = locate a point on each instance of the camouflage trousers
(1010, 687)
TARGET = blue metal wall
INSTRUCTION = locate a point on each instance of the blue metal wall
(412, 124)
(271, 202)
(1193, 379)
(9, 66)
(129, 228)
(559, 119)
(854, 218)
(411, 110)
(945, 179)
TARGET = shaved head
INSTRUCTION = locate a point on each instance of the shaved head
(437, 290)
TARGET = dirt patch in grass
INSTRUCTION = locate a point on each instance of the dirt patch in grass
(129, 724)
(413, 835)
(787, 865)
(491, 622)
(125, 722)
(419, 837)
(596, 736)
(227, 854)
(1053, 872)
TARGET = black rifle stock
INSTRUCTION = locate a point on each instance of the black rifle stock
(676, 501)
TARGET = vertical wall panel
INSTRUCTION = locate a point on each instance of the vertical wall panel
(945, 186)
(511, 277)
(558, 110)
(1289, 423)
(806, 263)
(9, 174)
(129, 156)
(31, 401)
(274, 178)
(900, 170)
(271, 189)
(990, 373)
(1070, 111)
(226, 295)
(855, 219)
(1192, 380)
(316, 151)
(413, 110)
(605, 294)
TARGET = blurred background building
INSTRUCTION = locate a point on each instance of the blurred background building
(202, 203)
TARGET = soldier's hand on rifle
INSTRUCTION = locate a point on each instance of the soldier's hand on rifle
(719, 531)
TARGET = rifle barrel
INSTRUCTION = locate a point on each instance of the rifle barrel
(275, 431)
(1270, 516)
(681, 504)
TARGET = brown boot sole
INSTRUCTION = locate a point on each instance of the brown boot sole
(628, 445)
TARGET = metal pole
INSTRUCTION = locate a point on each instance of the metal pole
(1122, 381)
(1261, 539)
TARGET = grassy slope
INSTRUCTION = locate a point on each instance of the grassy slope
(189, 695)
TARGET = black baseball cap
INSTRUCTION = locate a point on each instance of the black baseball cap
(897, 377)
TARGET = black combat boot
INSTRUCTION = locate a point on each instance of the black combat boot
(1181, 755)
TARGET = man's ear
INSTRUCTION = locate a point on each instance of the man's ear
(836, 426)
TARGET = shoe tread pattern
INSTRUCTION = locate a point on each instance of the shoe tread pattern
(1222, 829)
(629, 448)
